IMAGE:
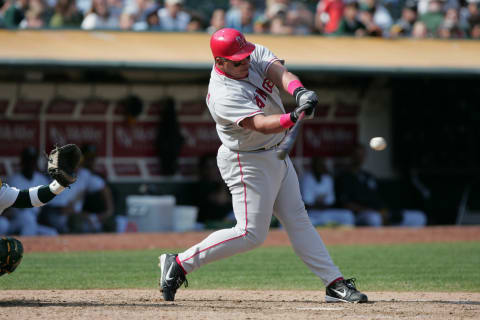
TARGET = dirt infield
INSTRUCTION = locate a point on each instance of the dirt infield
(231, 304)
(237, 304)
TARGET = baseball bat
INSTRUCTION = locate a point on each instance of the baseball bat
(286, 145)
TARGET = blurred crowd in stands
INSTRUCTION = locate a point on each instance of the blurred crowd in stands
(376, 18)
(348, 196)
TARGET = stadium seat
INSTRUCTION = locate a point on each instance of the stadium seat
(61, 106)
(30, 107)
(95, 107)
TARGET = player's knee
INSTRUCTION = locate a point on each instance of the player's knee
(254, 240)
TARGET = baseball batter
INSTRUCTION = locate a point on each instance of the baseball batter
(244, 100)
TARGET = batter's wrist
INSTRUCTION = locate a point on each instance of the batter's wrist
(294, 85)
(286, 120)
(293, 117)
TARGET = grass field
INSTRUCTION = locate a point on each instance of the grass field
(445, 267)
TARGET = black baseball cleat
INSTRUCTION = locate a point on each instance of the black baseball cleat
(171, 276)
(345, 291)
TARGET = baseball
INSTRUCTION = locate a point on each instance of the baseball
(378, 143)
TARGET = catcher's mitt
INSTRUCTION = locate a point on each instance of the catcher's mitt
(11, 254)
(63, 162)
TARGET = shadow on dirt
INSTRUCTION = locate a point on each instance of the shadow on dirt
(39, 304)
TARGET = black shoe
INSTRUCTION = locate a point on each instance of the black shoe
(171, 276)
(344, 291)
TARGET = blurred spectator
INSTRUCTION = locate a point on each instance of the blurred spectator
(98, 209)
(357, 190)
(126, 21)
(169, 138)
(24, 222)
(212, 196)
(318, 193)
(423, 5)
(100, 17)
(380, 17)
(116, 7)
(404, 26)
(419, 30)
(433, 18)
(15, 12)
(366, 17)
(278, 25)
(475, 32)
(300, 18)
(328, 16)
(172, 17)
(450, 27)
(195, 24)
(469, 15)
(261, 24)
(243, 18)
(33, 19)
(83, 6)
(37, 16)
(134, 15)
(3, 8)
(152, 19)
(217, 21)
(350, 25)
(66, 15)
(232, 12)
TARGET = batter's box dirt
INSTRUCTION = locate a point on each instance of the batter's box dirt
(231, 304)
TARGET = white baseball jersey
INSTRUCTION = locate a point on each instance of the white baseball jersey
(261, 184)
(230, 101)
(8, 195)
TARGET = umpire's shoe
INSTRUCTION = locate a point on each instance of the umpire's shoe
(172, 276)
(344, 291)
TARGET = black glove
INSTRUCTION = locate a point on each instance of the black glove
(306, 101)
(63, 162)
(11, 254)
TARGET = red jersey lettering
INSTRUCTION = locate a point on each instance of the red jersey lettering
(268, 85)
(259, 102)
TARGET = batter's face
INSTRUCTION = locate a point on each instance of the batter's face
(235, 69)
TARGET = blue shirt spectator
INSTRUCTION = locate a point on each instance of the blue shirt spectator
(172, 17)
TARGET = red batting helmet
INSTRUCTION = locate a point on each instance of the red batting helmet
(230, 44)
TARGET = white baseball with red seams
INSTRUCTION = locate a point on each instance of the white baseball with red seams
(260, 184)
(378, 143)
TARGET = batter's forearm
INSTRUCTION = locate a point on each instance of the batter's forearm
(264, 124)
